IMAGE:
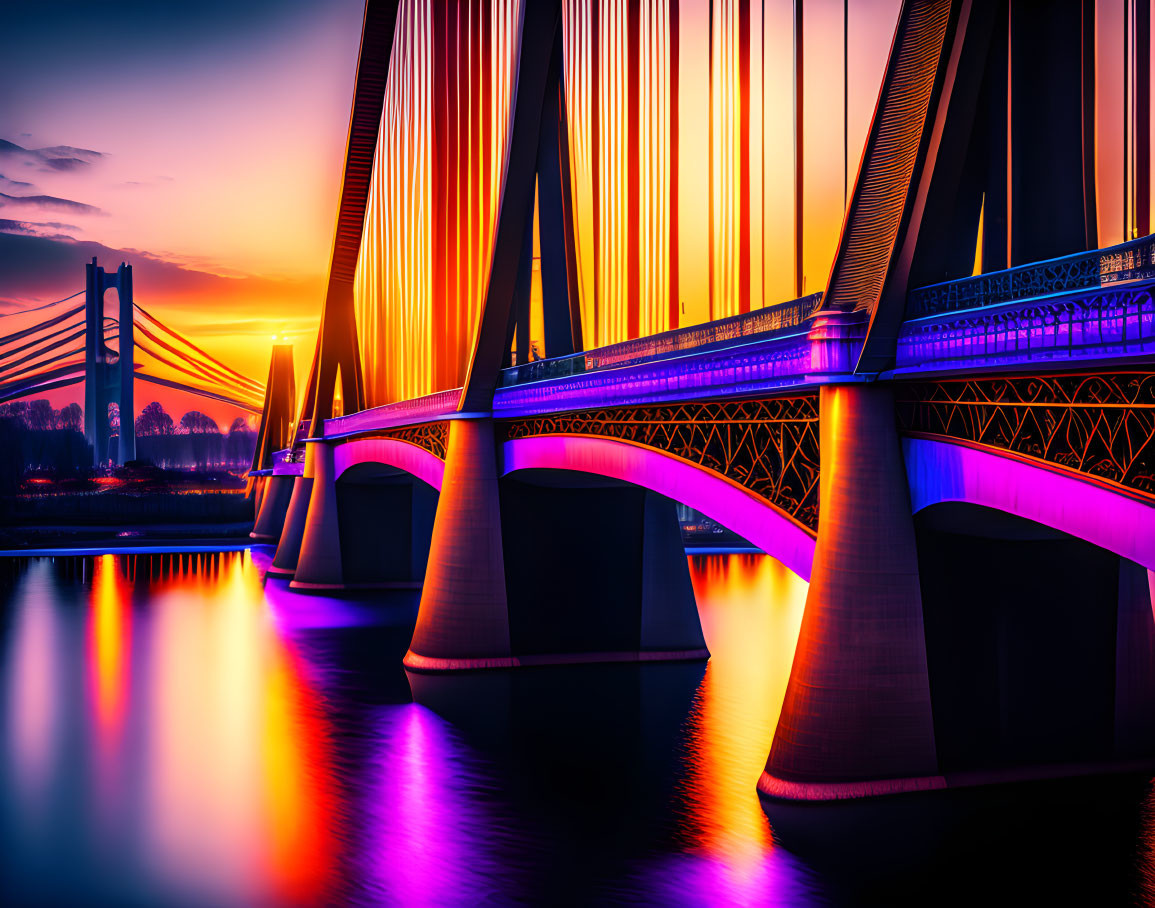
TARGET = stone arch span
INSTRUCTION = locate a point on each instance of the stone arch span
(942, 471)
(714, 495)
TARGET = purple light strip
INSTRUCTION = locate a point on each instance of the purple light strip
(288, 468)
(788, 316)
(1113, 322)
(393, 453)
(431, 407)
(745, 369)
(941, 471)
(715, 496)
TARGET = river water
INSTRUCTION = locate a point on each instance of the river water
(176, 732)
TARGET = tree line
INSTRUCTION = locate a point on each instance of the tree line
(153, 420)
(40, 416)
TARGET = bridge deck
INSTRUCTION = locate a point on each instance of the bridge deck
(1076, 310)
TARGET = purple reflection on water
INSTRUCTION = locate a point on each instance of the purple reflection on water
(703, 879)
(433, 839)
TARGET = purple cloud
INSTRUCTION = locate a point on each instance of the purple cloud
(58, 158)
(47, 202)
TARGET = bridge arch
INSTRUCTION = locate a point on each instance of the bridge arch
(389, 452)
(370, 514)
(942, 471)
(714, 495)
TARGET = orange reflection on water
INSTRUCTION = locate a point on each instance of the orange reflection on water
(239, 764)
(751, 609)
(109, 645)
(299, 799)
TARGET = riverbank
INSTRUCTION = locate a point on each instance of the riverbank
(87, 539)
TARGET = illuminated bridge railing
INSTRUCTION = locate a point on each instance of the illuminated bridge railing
(758, 325)
(1131, 261)
(401, 413)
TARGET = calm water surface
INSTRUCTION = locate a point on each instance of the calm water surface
(174, 732)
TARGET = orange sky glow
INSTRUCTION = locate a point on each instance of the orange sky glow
(221, 148)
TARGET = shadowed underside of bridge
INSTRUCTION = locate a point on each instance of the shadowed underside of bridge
(832, 431)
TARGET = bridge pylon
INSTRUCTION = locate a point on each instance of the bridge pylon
(107, 378)
(337, 351)
(272, 491)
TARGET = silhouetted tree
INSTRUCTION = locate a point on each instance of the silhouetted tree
(240, 442)
(71, 417)
(18, 410)
(194, 422)
(153, 420)
(41, 416)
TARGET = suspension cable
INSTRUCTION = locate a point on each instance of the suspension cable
(39, 308)
(211, 374)
(62, 378)
(18, 335)
(40, 340)
(185, 340)
(169, 383)
(167, 362)
(7, 367)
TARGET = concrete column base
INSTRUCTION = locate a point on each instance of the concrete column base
(319, 560)
(857, 716)
(463, 620)
(274, 504)
(549, 571)
(289, 547)
(1135, 663)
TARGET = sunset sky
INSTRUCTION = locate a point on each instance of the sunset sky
(218, 131)
(203, 142)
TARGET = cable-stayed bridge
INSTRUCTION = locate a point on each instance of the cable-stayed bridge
(976, 354)
(977, 360)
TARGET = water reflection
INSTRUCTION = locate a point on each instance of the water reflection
(203, 743)
(751, 609)
(431, 839)
(177, 732)
(33, 686)
(109, 649)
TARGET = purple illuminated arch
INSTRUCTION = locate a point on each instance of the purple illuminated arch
(704, 490)
(942, 471)
(390, 452)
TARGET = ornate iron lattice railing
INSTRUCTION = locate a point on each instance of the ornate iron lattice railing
(432, 436)
(1100, 425)
(767, 446)
(759, 324)
(1131, 261)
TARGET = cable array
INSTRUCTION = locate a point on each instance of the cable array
(52, 354)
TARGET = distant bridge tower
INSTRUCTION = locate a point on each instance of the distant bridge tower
(107, 379)
(273, 491)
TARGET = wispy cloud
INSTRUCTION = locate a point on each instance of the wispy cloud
(47, 203)
(46, 229)
(14, 184)
(55, 158)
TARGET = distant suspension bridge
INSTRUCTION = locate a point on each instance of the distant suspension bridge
(70, 344)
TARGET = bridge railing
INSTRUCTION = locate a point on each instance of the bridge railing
(1130, 261)
(403, 412)
(763, 322)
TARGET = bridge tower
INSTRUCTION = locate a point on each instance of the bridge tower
(108, 377)
(337, 351)
(275, 434)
